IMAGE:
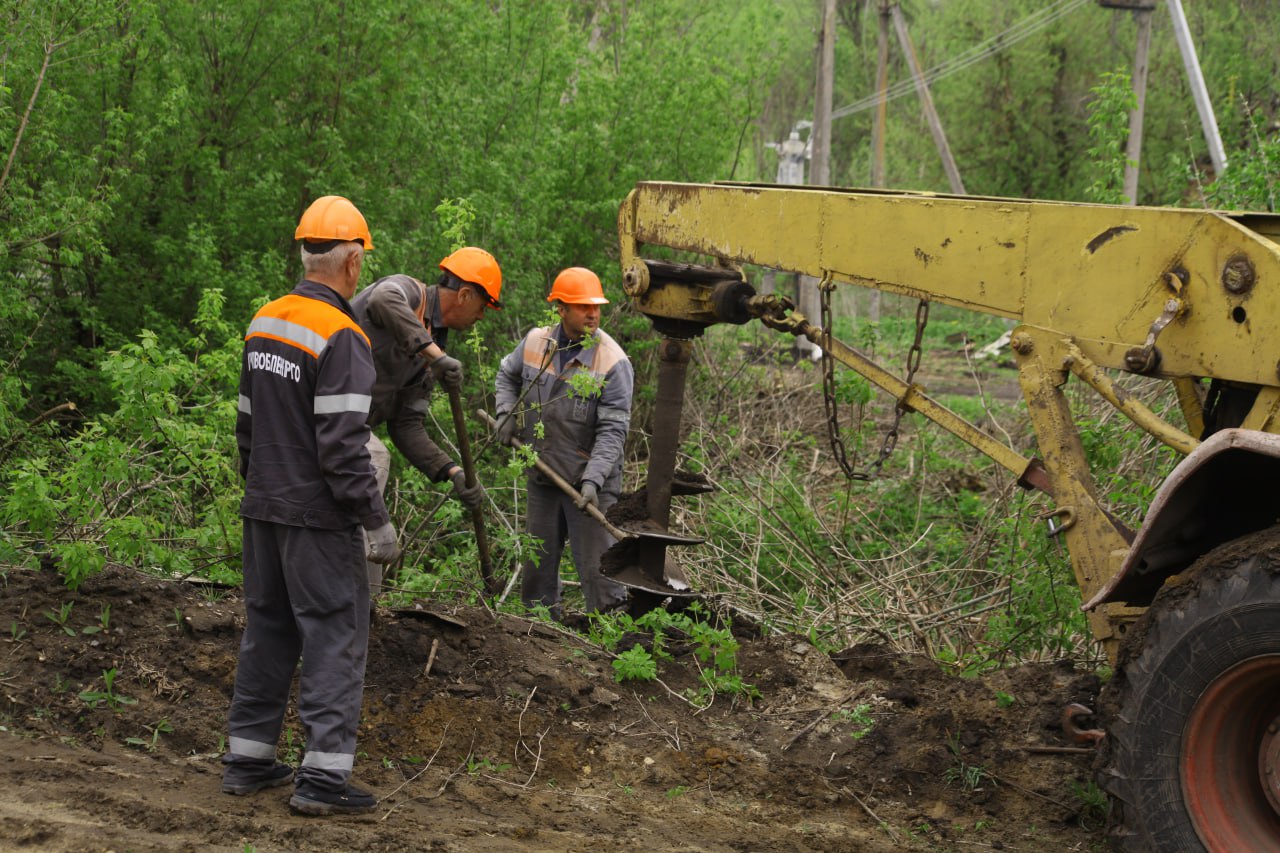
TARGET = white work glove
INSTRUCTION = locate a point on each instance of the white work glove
(469, 496)
(380, 545)
(506, 427)
(448, 371)
(589, 494)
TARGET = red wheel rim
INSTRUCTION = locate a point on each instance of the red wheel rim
(1231, 741)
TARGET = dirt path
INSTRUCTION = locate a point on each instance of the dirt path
(519, 738)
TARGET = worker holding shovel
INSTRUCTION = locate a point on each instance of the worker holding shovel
(408, 324)
(575, 381)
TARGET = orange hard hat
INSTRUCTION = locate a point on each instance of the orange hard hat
(577, 286)
(332, 217)
(477, 267)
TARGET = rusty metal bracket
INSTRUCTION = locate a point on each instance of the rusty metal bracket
(1146, 358)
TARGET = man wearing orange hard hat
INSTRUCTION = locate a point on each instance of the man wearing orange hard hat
(408, 324)
(583, 427)
(313, 513)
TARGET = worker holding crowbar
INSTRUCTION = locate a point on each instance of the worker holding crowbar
(408, 324)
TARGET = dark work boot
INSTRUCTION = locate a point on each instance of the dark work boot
(317, 801)
(239, 784)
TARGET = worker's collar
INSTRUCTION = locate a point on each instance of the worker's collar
(324, 293)
(434, 317)
(568, 350)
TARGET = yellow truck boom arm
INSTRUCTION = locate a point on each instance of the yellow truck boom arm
(1101, 274)
(1180, 294)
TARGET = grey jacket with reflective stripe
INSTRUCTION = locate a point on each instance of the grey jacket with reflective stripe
(584, 435)
(305, 379)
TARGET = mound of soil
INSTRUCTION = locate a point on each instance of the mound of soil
(485, 731)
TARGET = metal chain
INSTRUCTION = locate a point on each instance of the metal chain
(914, 356)
(829, 383)
(913, 364)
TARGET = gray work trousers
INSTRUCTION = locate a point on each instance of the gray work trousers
(305, 593)
(552, 517)
(381, 458)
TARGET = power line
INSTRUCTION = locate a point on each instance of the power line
(998, 43)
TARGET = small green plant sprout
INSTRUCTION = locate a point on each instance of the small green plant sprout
(970, 777)
(104, 622)
(176, 624)
(16, 631)
(677, 791)
(635, 664)
(1004, 700)
(292, 747)
(859, 716)
(113, 700)
(1093, 805)
(159, 727)
(61, 617)
(483, 765)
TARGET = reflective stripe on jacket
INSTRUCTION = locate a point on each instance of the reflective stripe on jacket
(584, 434)
(305, 379)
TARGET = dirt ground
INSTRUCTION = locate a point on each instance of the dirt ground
(486, 732)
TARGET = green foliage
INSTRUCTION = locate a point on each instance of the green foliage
(635, 664)
(860, 718)
(1251, 178)
(109, 696)
(154, 730)
(714, 649)
(483, 765)
(61, 616)
(1108, 134)
(584, 385)
(104, 622)
(455, 216)
(153, 482)
(1094, 805)
(969, 777)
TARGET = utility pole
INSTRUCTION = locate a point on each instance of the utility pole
(926, 100)
(880, 120)
(820, 165)
(1208, 123)
(879, 128)
(1133, 151)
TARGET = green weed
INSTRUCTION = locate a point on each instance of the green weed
(970, 777)
(104, 621)
(1093, 804)
(635, 664)
(859, 716)
(155, 730)
(113, 700)
(483, 765)
(61, 617)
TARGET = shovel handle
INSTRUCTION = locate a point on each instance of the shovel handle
(563, 484)
(469, 471)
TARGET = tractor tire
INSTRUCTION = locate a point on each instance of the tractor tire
(1191, 758)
